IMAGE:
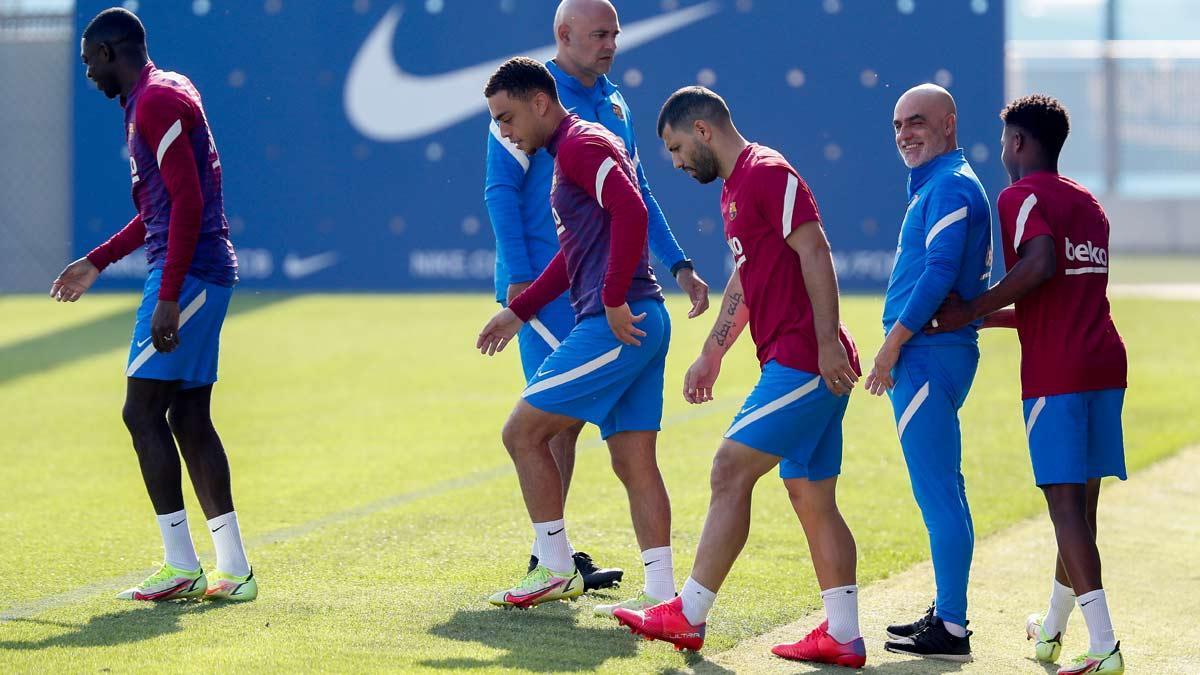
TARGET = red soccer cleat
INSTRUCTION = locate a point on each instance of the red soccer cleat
(819, 647)
(664, 621)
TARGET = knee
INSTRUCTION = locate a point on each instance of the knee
(187, 425)
(728, 478)
(139, 417)
(519, 437)
(810, 503)
(632, 469)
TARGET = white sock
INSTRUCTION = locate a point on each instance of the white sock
(1062, 601)
(227, 539)
(697, 601)
(1094, 606)
(955, 629)
(533, 549)
(178, 550)
(841, 609)
(553, 546)
(660, 573)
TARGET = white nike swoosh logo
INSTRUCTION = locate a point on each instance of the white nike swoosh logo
(384, 103)
(543, 373)
(295, 267)
(143, 342)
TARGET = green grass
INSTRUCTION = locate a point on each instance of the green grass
(1162, 269)
(381, 510)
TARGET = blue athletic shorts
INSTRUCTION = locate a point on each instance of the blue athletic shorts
(594, 377)
(544, 333)
(1076, 437)
(793, 415)
(202, 308)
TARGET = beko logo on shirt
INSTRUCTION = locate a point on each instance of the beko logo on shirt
(1086, 252)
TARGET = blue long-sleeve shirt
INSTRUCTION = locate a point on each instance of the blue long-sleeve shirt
(517, 187)
(945, 245)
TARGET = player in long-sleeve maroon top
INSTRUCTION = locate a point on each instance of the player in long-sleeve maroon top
(609, 369)
(176, 177)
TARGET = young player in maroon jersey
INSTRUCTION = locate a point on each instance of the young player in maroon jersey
(176, 176)
(1073, 362)
(609, 368)
(783, 285)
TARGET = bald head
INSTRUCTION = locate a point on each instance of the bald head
(926, 124)
(586, 34)
(572, 11)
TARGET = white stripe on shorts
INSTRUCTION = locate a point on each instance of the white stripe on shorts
(574, 373)
(187, 313)
(543, 332)
(1033, 415)
(787, 399)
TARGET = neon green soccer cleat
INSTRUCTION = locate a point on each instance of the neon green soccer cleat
(168, 583)
(540, 585)
(1107, 664)
(642, 601)
(1048, 647)
(225, 586)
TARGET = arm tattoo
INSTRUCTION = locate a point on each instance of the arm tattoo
(721, 331)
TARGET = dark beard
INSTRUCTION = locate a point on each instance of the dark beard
(705, 165)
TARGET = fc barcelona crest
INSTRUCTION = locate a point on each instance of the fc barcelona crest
(618, 111)
(732, 210)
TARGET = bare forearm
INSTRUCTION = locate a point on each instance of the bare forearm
(1036, 266)
(730, 321)
(1001, 318)
(816, 264)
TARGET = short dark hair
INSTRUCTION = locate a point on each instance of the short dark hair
(521, 77)
(116, 25)
(693, 103)
(1043, 117)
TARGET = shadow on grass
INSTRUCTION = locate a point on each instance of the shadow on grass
(543, 639)
(139, 622)
(105, 333)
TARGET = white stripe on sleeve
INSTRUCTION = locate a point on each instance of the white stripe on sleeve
(1022, 216)
(789, 204)
(169, 138)
(946, 221)
(601, 174)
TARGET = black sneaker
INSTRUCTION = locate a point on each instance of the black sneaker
(933, 642)
(902, 630)
(596, 577)
(593, 577)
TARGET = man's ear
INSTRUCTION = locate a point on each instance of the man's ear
(951, 123)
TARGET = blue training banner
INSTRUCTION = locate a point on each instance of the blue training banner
(353, 133)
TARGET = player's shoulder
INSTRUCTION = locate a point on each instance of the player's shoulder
(1014, 195)
(959, 181)
(766, 161)
(166, 94)
(587, 138)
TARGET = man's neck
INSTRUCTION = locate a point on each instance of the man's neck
(727, 150)
(132, 75)
(1049, 167)
(569, 67)
(554, 119)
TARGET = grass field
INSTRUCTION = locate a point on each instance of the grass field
(380, 509)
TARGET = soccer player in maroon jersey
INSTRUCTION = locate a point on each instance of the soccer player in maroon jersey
(1073, 362)
(609, 368)
(176, 176)
(783, 285)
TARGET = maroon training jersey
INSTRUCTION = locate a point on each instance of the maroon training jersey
(601, 218)
(1068, 340)
(763, 201)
